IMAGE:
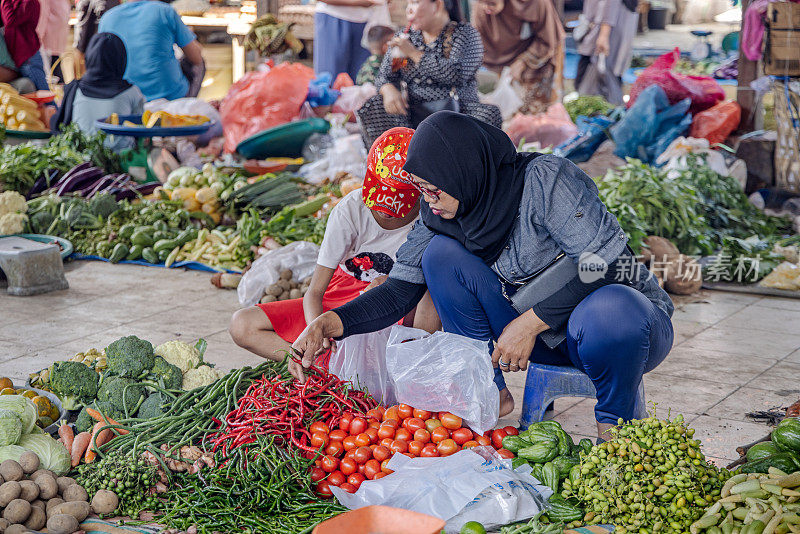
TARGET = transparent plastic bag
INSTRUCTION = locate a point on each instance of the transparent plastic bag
(504, 95)
(473, 484)
(549, 129)
(300, 257)
(352, 98)
(444, 372)
(361, 359)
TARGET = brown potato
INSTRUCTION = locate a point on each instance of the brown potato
(4, 524)
(30, 491)
(37, 520)
(284, 296)
(8, 492)
(48, 487)
(295, 294)
(104, 502)
(77, 509)
(275, 290)
(52, 503)
(64, 483)
(62, 524)
(39, 503)
(75, 493)
(683, 275)
(39, 472)
(268, 298)
(285, 285)
(16, 529)
(17, 511)
(11, 470)
(29, 462)
(286, 274)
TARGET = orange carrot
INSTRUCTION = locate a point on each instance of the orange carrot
(100, 435)
(79, 445)
(100, 418)
(67, 436)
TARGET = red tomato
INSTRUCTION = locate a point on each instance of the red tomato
(324, 489)
(329, 464)
(385, 469)
(319, 426)
(374, 424)
(403, 434)
(440, 434)
(349, 488)
(511, 430)
(349, 443)
(317, 474)
(399, 445)
(361, 469)
(392, 423)
(380, 475)
(386, 431)
(334, 448)
(462, 435)
(415, 447)
(432, 424)
(422, 436)
(362, 440)
(387, 442)
(405, 411)
(470, 444)
(371, 468)
(429, 451)
(505, 453)
(338, 435)
(422, 414)
(391, 413)
(317, 462)
(336, 478)
(381, 453)
(483, 440)
(447, 447)
(348, 466)
(356, 479)
(497, 438)
(363, 454)
(318, 439)
(374, 414)
(357, 426)
(373, 435)
(344, 422)
(351, 453)
(414, 424)
(449, 421)
(409, 455)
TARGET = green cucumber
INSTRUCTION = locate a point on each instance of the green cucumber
(761, 450)
(149, 255)
(561, 511)
(127, 231)
(565, 465)
(514, 443)
(163, 254)
(142, 238)
(135, 252)
(165, 244)
(540, 452)
(785, 461)
(786, 435)
(551, 476)
(119, 253)
(310, 207)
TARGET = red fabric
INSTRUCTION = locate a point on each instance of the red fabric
(20, 18)
(387, 187)
(287, 317)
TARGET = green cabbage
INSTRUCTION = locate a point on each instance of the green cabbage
(24, 408)
(52, 454)
(11, 452)
(10, 427)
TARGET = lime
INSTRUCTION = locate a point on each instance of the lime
(472, 527)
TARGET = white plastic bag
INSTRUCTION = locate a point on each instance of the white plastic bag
(379, 15)
(361, 359)
(300, 257)
(504, 95)
(455, 488)
(352, 98)
(184, 106)
(347, 154)
(444, 372)
(675, 154)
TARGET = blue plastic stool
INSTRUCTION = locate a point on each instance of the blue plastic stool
(546, 383)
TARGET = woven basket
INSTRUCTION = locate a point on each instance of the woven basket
(787, 145)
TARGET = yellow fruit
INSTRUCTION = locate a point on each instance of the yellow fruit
(210, 207)
(184, 193)
(42, 404)
(54, 413)
(8, 391)
(114, 119)
(191, 204)
(206, 194)
(28, 393)
(6, 383)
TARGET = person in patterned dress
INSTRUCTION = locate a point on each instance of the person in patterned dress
(435, 57)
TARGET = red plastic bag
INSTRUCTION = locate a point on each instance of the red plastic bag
(548, 129)
(262, 100)
(717, 123)
(703, 91)
(342, 80)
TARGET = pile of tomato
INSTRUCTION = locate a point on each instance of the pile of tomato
(360, 448)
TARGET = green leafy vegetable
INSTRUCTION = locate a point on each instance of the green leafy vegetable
(23, 407)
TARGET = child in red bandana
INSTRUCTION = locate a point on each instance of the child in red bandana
(362, 236)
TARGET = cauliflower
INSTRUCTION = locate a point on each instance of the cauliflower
(198, 377)
(12, 202)
(180, 354)
(12, 223)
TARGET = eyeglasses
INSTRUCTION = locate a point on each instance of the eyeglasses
(432, 193)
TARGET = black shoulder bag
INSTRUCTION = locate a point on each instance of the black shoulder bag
(421, 110)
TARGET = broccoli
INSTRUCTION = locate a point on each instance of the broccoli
(167, 373)
(129, 357)
(107, 409)
(121, 394)
(74, 382)
(84, 422)
(103, 205)
(152, 407)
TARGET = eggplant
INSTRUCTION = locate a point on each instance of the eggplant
(135, 191)
(72, 171)
(90, 190)
(120, 181)
(78, 180)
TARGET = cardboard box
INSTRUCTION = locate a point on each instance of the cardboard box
(782, 52)
(783, 15)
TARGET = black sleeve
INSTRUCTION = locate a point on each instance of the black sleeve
(379, 307)
(556, 309)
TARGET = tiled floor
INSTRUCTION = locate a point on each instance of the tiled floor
(733, 353)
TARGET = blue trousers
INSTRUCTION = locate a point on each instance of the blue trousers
(337, 45)
(614, 335)
(33, 69)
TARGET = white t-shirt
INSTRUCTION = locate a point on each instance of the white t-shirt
(355, 14)
(356, 242)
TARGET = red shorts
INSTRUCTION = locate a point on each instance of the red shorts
(287, 317)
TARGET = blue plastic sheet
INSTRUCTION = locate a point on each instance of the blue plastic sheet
(192, 265)
(592, 131)
(650, 125)
(320, 92)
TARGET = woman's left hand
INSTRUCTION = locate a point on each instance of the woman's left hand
(404, 45)
(515, 344)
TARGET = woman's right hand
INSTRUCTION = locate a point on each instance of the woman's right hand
(393, 100)
(313, 341)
